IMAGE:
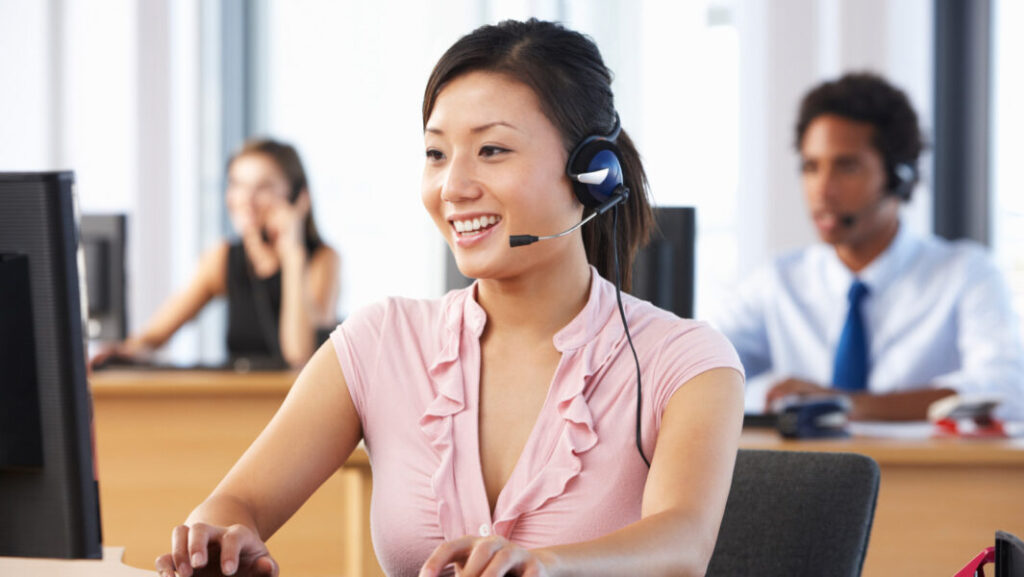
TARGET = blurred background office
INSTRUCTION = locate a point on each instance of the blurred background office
(146, 99)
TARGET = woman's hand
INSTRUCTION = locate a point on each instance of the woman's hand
(798, 387)
(205, 550)
(286, 223)
(130, 349)
(487, 557)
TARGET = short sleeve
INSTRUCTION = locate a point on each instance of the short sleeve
(357, 345)
(693, 350)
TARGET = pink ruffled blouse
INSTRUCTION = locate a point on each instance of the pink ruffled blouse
(413, 372)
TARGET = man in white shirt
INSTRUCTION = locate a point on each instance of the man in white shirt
(893, 320)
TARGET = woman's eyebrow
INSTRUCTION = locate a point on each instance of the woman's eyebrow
(477, 129)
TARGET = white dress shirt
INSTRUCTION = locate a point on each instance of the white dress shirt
(938, 315)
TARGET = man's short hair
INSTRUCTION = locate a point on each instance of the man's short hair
(866, 97)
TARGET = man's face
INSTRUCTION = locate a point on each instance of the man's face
(844, 182)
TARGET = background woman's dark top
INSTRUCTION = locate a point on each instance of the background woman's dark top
(254, 310)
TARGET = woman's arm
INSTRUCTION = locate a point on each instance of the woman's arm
(310, 437)
(683, 502)
(209, 281)
(309, 298)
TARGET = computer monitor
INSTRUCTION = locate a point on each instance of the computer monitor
(663, 272)
(49, 503)
(103, 242)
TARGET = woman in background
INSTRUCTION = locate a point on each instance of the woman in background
(501, 420)
(280, 279)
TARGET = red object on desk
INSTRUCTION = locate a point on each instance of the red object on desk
(987, 429)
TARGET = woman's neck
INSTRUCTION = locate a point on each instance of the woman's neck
(537, 304)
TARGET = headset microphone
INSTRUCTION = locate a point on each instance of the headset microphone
(901, 180)
(849, 219)
(620, 195)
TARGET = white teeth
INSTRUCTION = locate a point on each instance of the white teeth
(468, 226)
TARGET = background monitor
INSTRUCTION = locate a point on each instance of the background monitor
(663, 272)
(49, 504)
(103, 242)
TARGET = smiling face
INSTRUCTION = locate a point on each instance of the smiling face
(495, 166)
(256, 185)
(844, 176)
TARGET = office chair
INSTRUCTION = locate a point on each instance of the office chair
(797, 513)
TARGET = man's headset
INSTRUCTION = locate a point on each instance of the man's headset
(902, 178)
(595, 170)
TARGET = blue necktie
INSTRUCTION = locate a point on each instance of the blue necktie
(851, 367)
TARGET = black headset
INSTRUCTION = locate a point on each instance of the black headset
(902, 177)
(595, 170)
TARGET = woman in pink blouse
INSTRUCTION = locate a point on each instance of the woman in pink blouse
(503, 421)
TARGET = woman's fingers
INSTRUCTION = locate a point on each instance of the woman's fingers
(501, 563)
(231, 549)
(195, 547)
(199, 538)
(179, 551)
(456, 551)
(481, 554)
(265, 567)
(165, 565)
(240, 546)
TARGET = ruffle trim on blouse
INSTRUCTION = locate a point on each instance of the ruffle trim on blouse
(437, 421)
(578, 435)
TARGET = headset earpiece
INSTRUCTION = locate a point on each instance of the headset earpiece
(595, 171)
(595, 168)
(902, 179)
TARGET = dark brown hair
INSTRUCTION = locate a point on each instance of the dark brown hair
(287, 160)
(565, 70)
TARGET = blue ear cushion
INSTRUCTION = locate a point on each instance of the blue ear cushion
(594, 154)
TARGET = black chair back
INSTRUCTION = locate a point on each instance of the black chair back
(795, 513)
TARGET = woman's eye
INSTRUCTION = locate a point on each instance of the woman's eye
(492, 150)
(434, 154)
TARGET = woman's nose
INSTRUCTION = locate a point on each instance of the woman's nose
(460, 181)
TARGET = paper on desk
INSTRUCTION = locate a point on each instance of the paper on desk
(912, 430)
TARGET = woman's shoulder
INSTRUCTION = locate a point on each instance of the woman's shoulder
(675, 336)
(406, 314)
(324, 252)
(663, 322)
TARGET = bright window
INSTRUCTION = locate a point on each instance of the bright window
(1007, 206)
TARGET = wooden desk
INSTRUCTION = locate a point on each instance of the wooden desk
(165, 439)
(940, 501)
